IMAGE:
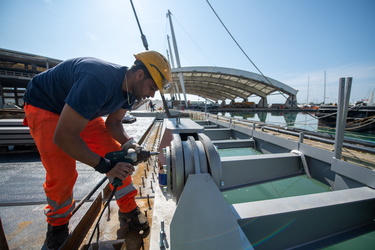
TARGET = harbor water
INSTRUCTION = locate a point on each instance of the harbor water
(299, 120)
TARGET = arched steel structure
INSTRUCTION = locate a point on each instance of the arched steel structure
(218, 83)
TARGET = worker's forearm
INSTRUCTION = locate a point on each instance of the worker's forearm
(116, 130)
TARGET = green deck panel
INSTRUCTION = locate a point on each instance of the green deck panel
(365, 241)
(294, 186)
(238, 152)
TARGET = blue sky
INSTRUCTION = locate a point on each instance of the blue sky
(292, 41)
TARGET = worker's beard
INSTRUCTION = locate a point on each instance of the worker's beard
(139, 90)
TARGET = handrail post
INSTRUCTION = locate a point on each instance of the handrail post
(342, 113)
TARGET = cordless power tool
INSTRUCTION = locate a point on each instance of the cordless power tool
(129, 156)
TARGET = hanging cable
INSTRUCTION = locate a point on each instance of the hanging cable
(143, 37)
(145, 44)
(239, 46)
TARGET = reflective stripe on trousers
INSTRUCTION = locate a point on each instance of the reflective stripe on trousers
(61, 168)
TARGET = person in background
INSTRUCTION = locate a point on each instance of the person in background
(64, 107)
(153, 107)
(150, 105)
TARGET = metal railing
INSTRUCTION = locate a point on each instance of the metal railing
(17, 74)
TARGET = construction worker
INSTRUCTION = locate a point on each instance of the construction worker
(64, 108)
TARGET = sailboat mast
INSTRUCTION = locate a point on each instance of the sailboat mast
(308, 90)
(324, 96)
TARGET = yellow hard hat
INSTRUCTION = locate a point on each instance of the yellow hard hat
(158, 66)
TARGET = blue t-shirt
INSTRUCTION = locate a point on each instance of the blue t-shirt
(90, 86)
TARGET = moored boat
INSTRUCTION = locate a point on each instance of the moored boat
(359, 118)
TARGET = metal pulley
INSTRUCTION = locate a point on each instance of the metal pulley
(194, 155)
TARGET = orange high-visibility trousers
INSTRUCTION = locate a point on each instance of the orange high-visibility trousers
(61, 173)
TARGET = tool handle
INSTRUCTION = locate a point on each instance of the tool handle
(117, 182)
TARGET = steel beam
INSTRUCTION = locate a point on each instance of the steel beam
(247, 170)
(311, 221)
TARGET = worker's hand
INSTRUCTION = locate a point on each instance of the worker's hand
(131, 143)
(121, 170)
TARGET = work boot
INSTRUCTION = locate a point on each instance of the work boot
(56, 236)
(137, 220)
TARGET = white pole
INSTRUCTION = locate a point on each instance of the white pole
(170, 49)
(172, 60)
(177, 57)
